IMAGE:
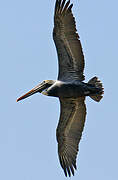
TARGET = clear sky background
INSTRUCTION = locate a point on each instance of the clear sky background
(28, 147)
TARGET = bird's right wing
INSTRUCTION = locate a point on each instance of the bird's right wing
(68, 45)
(69, 131)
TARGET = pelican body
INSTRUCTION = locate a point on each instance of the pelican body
(63, 89)
(73, 89)
(69, 86)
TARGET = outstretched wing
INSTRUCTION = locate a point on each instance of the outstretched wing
(69, 50)
(69, 131)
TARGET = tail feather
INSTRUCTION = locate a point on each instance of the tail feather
(98, 84)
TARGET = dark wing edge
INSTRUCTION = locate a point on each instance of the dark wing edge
(68, 45)
(69, 132)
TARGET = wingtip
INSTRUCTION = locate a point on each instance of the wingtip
(70, 7)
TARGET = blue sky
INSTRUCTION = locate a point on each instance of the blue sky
(28, 147)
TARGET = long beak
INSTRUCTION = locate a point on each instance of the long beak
(37, 89)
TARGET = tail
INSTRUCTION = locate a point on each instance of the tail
(97, 83)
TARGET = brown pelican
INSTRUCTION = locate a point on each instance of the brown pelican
(69, 88)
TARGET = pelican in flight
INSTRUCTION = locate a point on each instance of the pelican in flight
(69, 87)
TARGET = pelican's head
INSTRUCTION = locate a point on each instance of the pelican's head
(42, 88)
(49, 83)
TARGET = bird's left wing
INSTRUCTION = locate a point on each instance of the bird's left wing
(68, 45)
(69, 131)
